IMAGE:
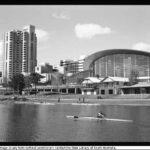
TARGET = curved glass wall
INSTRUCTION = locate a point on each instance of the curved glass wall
(120, 65)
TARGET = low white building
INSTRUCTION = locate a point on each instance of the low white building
(46, 77)
(103, 86)
(90, 85)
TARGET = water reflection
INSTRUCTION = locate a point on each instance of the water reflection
(48, 123)
(20, 119)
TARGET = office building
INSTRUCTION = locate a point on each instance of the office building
(46, 68)
(20, 52)
(114, 66)
(118, 63)
(72, 66)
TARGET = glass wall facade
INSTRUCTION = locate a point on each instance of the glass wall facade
(120, 65)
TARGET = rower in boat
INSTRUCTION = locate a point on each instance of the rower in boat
(100, 115)
(76, 117)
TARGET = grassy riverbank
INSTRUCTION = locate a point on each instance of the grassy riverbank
(80, 99)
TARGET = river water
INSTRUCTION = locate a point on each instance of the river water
(48, 123)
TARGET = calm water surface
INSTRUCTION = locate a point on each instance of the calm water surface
(48, 123)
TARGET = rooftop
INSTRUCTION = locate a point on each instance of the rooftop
(115, 79)
(140, 84)
(89, 80)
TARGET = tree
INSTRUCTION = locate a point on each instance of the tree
(97, 76)
(133, 77)
(17, 83)
(64, 79)
(80, 80)
(35, 78)
(49, 82)
(27, 82)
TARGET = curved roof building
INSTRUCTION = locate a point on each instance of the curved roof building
(118, 63)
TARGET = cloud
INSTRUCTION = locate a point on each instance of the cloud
(90, 30)
(60, 16)
(141, 46)
(41, 35)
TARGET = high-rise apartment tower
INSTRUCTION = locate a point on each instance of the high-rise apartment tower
(20, 52)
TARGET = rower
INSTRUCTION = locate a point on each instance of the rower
(100, 115)
(76, 116)
(58, 99)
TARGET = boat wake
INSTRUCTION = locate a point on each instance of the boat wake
(95, 118)
(34, 103)
(86, 104)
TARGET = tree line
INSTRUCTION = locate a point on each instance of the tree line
(19, 82)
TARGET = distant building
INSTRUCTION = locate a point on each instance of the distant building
(72, 66)
(115, 66)
(118, 63)
(20, 52)
(81, 62)
(55, 68)
(29, 49)
(77, 78)
(1, 62)
(50, 74)
(46, 68)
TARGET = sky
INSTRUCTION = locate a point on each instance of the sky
(70, 31)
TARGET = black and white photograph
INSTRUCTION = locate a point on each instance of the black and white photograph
(75, 73)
